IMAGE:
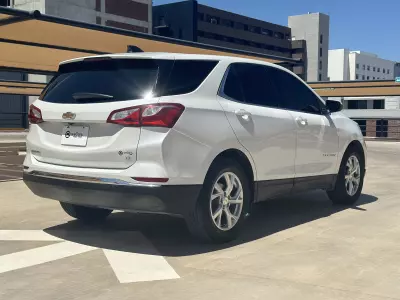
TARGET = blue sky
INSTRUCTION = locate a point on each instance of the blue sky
(368, 25)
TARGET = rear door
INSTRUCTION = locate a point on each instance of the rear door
(267, 131)
(75, 107)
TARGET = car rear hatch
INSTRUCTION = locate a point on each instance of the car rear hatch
(76, 107)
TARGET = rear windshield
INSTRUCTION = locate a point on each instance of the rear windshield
(107, 80)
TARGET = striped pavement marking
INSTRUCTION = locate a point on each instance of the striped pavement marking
(142, 264)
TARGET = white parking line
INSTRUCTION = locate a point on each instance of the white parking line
(137, 267)
(143, 263)
(36, 256)
(27, 235)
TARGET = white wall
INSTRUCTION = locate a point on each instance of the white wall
(338, 66)
(309, 27)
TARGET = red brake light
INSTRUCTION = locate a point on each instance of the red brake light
(35, 115)
(155, 115)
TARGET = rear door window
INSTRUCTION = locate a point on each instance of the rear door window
(253, 84)
(109, 80)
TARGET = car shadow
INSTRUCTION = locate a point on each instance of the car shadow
(171, 237)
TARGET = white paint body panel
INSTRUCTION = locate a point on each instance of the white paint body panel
(207, 127)
(316, 144)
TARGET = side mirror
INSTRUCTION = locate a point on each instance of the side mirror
(333, 106)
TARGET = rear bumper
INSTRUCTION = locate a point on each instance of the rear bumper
(160, 199)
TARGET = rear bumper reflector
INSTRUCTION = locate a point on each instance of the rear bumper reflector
(150, 179)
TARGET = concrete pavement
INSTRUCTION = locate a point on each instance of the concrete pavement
(294, 247)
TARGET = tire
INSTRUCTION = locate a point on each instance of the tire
(201, 223)
(86, 214)
(340, 193)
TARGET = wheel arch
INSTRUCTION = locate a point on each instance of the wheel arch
(244, 161)
(356, 144)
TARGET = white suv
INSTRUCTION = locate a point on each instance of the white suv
(195, 136)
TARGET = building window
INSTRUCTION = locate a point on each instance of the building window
(5, 3)
(363, 67)
(320, 77)
(373, 78)
(320, 52)
(367, 77)
(321, 38)
(381, 128)
(226, 23)
(363, 78)
(383, 71)
(379, 104)
(368, 68)
(254, 29)
(279, 35)
(373, 69)
(378, 78)
(356, 76)
(320, 65)
(212, 20)
(379, 69)
(357, 104)
(161, 21)
(266, 32)
(239, 25)
(388, 71)
(357, 66)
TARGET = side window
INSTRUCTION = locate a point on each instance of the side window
(297, 96)
(180, 83)
(253, 83)
(233, 88)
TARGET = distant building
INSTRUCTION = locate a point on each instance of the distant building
(397, 69)
(135, 15)
(358, 65)
(314, 29)
(191, 21)
(369, 112)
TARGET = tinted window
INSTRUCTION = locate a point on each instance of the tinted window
(253, 83)
(124, 79)
(233, 87)
(187, 75)
(297, 96)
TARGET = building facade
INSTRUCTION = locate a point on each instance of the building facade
(368, 112)
(314, 29)
(397, 69)
(358, 65)
(125, 14)
(133, 15)
(191, 21)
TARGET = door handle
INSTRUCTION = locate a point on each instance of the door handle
(245, 115)
(301, 121)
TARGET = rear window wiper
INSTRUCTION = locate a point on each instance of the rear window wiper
(85, 96)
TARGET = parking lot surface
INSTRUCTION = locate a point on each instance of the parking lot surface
(294, 247)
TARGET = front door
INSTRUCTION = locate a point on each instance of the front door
(316, 135)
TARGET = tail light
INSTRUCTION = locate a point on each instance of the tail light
(155, 115)
(35, 115)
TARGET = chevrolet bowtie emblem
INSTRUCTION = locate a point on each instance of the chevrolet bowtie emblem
(68, 116)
